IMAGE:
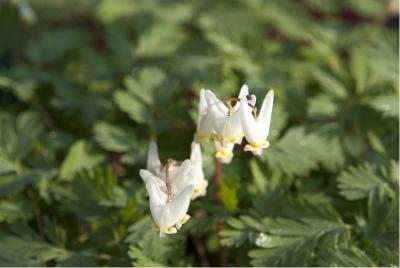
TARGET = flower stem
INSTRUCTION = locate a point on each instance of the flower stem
(217, 181)
(217, 185)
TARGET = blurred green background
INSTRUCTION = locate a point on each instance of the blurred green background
(84, 85)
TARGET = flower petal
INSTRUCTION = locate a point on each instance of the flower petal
(157, 198)
(202, 103)
(264, 116)
(153, 160)
(204, 128)
(180, 176)
(196, 163)
(244, 91)
(248, 122)
(178, 207)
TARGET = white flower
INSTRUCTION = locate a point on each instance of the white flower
(204, 126)
(168, 210)
(256, 128)
(225, 121)
(179, 174)
(200, 184)
(224, 152)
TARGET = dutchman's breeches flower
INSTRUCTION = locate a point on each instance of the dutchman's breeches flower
(225, 119)
(171, 187)
(222, 121)
(224, 153)
(168, 210)
(255, 127)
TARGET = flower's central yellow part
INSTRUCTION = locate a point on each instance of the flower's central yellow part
(264, 145)
(254, 145)
(169, 229)
(222, 154)
(231, 139)
(198, 190)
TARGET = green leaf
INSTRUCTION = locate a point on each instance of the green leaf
(54, 232)
(297, 152)
(18, 251)
(160, 40)
(80, 156)
(148, 249)
(50, 46)
(78, 259)
(330, 84)
(144, 86)
(12, 183)
(293, 242)
(359, 68)
(357, 182)
(114, 138)
(387, 104)
(381, 220)
(344, 256)
(12, 210)
(17, 136)
(131, 105)
(239, 231)
(258, 176)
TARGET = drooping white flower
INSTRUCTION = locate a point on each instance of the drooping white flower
(204, 126)
(200, 184)
(224, 152)
(168, 210)
(256, 128)
(226, 119)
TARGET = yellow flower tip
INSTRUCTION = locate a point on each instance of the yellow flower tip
(184, 219)
(202, 138)
(222, 154)
(254, 145)
(196, 190)
(265, 144)
(232, 139)
(170, 230)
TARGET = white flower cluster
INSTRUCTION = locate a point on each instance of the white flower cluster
(172, 186)
(227, 124)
